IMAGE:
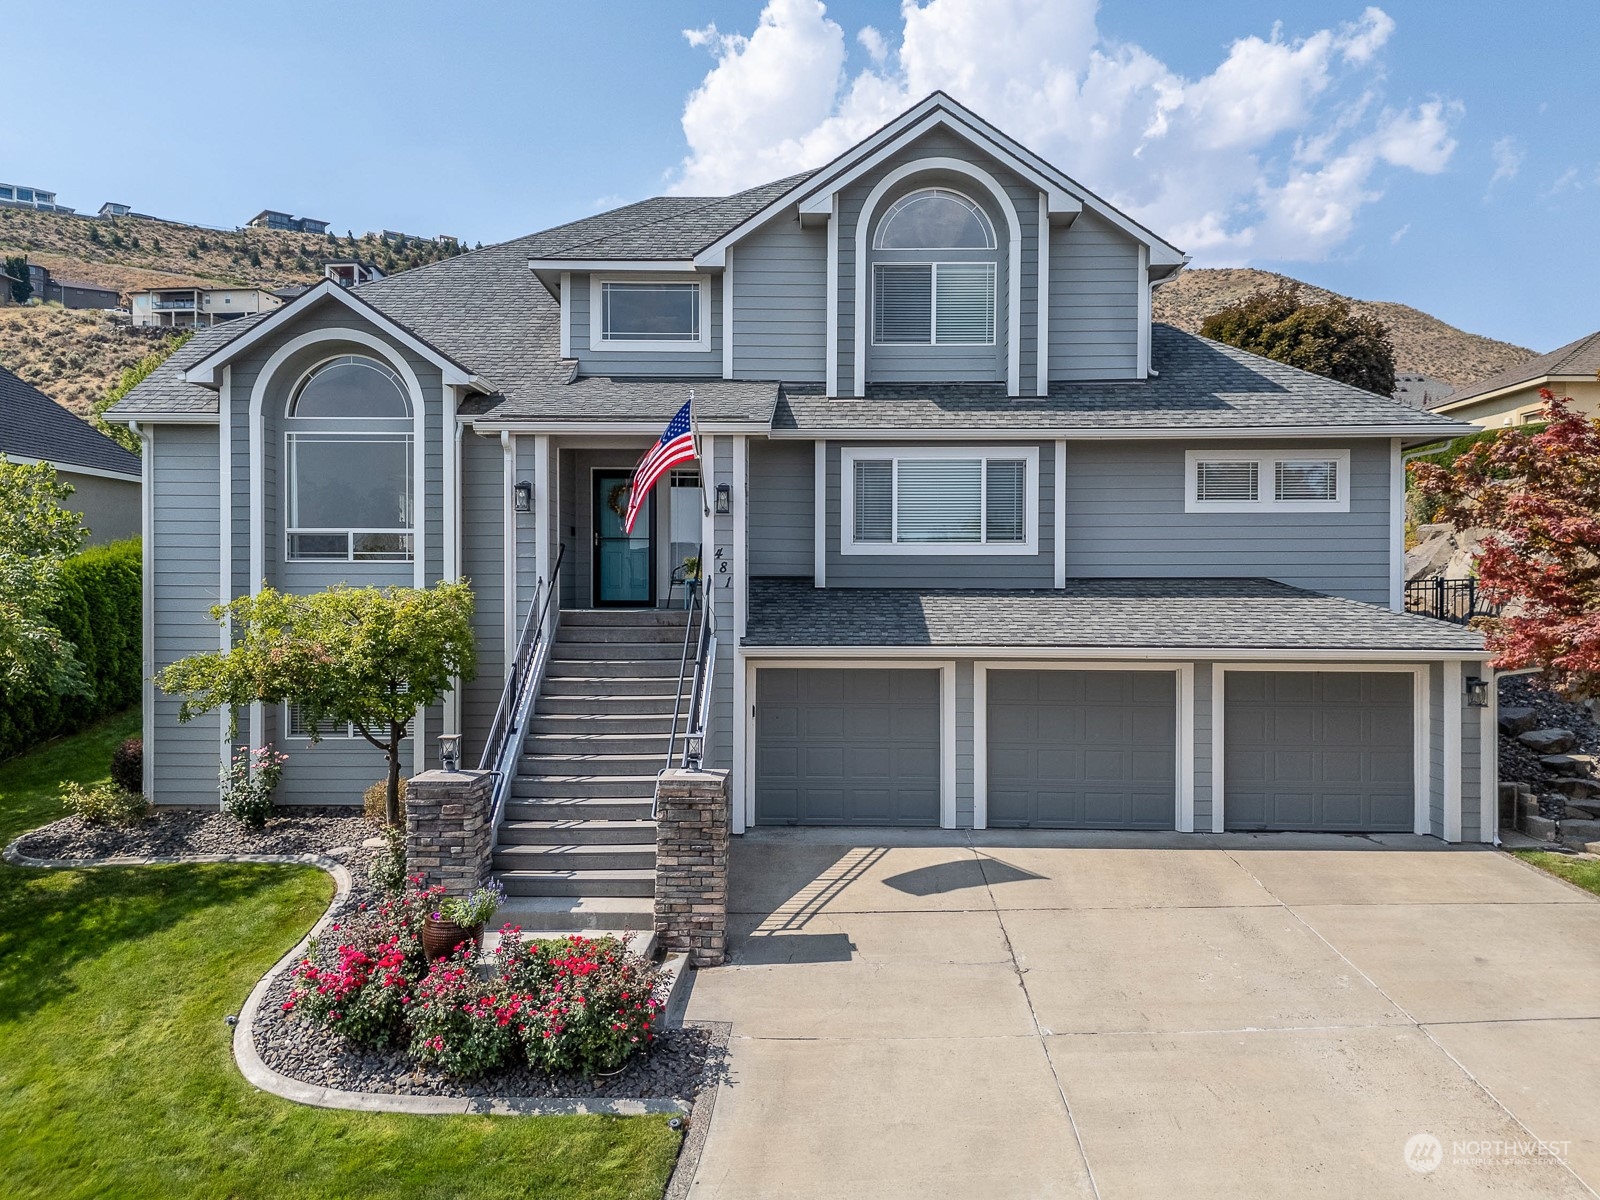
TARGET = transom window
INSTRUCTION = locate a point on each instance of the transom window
(350, 386)
(1248, 481)
(937, 501)
(934, 219)
(933, 304)
(650, 314)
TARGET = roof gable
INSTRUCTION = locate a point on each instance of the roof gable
(1579, 359)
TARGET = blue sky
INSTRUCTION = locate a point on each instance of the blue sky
(1431, 153)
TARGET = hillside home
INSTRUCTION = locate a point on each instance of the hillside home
(112, 208)
(1511, 397)
(198, 306)
(350, 272)
(269, 218)
(983, 545)
(47, 289)
(106, 479)
(17, 196)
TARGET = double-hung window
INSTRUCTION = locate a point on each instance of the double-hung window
(1245, 481)
(928, 500)
(650, 314)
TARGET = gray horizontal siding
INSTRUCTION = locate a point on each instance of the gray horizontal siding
(945, 570)
(1125, 519)
(780, 278)
(482, 563)
(643, 362)
(782, 517)
(1094, 302)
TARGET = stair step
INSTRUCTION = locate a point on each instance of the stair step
(576, 914)
(570, 724)
(640, 787)
(626, 856)
(575, 831)
(600, 635)
(593, 762)
(651, 670)
(635, 617)
(583, 884)
(626, 651)
(598, 704)
(567, 810)
(642, 746)
(610, 686)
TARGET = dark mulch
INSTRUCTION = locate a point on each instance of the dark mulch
(208, 831)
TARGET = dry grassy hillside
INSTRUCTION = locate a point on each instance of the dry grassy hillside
(1422, 344)
(73, 357)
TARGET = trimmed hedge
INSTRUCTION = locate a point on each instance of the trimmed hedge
(100, 612)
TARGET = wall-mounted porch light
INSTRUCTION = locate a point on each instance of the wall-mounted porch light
(449, 751)
(1477, 692)
(724, 499)
(522, 496)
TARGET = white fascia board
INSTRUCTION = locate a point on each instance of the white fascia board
(74, 469)
(206, 372)
(1070, 433)
(1162, 654)
(611, 265)
(162, 418)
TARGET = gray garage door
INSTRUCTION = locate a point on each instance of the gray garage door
(847, 747)
(1083, 749)
(1329, 750)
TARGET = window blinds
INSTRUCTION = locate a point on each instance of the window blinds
(903, 313)
(874, 500)
(964, 303)
(1227, 481)
(1307, 480)
(933, 304)
(940, 500)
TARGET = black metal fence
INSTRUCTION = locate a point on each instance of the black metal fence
(1454, 600)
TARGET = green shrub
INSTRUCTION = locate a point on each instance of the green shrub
(375, 800)
(127, 765)
(99, 611)
(248, 783)
(103, 804)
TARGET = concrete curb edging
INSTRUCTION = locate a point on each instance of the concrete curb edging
(256, 1071)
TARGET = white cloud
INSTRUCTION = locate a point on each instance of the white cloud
(1507, 160)
(1394, 238)
(1272, 154)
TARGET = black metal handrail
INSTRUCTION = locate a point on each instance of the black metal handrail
(1453, 600)
(522, 675)
(690, 629)
(694, 710)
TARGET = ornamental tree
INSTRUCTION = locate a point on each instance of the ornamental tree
(37, 534)
(366, 657)
(1537, 492)
(1327, 339)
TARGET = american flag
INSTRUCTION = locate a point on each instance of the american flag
(675, 446)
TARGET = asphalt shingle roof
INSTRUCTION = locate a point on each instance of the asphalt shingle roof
(34, 426)
(603, 398)
(1113, 614)
(164, 390)
(1581, 357)
(1202, 385)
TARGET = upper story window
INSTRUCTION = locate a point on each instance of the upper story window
(935, 277)
(349, 468)
(934, 219)
(650, 314)
(932, 500)
(1244, 481)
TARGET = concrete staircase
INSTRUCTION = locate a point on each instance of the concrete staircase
(577, 845)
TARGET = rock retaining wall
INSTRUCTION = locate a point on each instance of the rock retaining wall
(448, 838)
(692, 864)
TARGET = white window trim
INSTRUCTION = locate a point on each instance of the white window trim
(1267, 502)
(933, 298)
(893, 210)
(1030, 501)
(305, 376)
(289, 475)
(598, 343)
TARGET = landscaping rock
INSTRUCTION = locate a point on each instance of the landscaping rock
(1517, 718)
(1559, 764)
(1539, 827)
(1576, 788)
(1548, 741)
(177, 831)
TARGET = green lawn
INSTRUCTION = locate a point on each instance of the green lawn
(1583, 872)
(115, 1062)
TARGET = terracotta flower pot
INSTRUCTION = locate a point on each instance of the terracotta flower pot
(440, 937)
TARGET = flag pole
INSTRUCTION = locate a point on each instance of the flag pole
(694, 432)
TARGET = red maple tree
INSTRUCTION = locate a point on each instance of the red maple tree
(1538, 495)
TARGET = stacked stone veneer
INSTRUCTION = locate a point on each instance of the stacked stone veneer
(692, 864)
(448, 837)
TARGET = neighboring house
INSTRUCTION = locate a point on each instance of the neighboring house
(1512, 396)
(986, 547)
(198, 306)
(17, 196)
(7, 282)
(350, 272)
(1421, 391)
(105, 477)
(47, 289)
(269, 218)
(112, 209)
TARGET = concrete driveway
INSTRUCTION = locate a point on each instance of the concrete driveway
(984, 1016)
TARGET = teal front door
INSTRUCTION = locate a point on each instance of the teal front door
(624, 564)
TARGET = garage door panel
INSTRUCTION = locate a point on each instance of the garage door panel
(1096, 750)
(1329, 750)
(847, 746)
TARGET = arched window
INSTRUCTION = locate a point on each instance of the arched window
(934, 219)
(348, 453)
(350, 386)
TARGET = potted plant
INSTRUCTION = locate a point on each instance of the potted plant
(459, 919)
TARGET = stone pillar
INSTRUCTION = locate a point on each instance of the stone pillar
(692, 864)
(448, 838)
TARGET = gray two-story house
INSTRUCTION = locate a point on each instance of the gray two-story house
(982, 545)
